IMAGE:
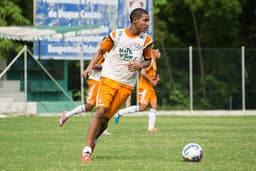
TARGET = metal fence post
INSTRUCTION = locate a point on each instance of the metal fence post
(25, 73)
(191, 78)
(243, 77)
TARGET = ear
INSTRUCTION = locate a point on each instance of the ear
(135, 20)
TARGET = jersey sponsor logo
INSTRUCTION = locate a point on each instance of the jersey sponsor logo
(137, 46)
(126, 54)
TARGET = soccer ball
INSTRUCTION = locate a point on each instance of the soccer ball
(192, 152)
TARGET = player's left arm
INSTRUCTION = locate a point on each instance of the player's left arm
(147, 52)
(134, 66)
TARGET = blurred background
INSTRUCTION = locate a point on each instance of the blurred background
(211, 42)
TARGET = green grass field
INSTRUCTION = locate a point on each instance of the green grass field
(37, 143)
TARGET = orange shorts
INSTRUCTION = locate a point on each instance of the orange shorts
(112, 95)
(146, 95)
(93, 86)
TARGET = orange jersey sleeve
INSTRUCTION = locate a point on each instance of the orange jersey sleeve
(147, 53)
(108, 42)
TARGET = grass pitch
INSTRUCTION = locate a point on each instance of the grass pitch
(37, 143)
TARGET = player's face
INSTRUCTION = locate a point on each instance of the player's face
(156, 53)
(143, 23)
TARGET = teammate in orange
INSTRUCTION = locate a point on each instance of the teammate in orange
(93, 85)
(129, 50)
(147, 95)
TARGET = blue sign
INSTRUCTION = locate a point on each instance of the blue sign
(106, 15)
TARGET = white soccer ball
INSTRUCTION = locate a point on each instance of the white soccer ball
(192, 152)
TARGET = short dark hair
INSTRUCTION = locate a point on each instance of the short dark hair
(137, 13)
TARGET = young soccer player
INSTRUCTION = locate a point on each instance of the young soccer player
(129, 50)
(147, 95)
(93, 85)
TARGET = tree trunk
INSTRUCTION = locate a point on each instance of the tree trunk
(169, 70)
(201, 62)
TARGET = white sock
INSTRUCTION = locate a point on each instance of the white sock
(76, 110)
(128, 110)
(87, 149)
(151, 118)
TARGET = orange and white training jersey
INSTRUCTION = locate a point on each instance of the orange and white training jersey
(151, 72)
(123, 48)
(96, 73)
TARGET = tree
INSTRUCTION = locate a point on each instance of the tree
(11, 14)
(201, 24)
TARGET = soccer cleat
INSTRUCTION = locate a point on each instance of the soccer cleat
(85, 157)
(106, 132)
(152, 130)
(63, 119)
(116, 118)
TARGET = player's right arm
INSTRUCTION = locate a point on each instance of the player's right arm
(98, 65)
(152, 81)
(106, 44)
(94, 60)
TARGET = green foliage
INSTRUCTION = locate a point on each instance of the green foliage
(157, 4)
(217, 21)
(229, 23)
(11, 14)
(37, 143)
(179, 100)
(219, 89)
(194, 4)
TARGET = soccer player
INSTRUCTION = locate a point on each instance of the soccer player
(146, 95)
(93, 84)
(129, 50)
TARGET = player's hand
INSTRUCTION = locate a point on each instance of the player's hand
(133, 66)
(87, 72)
(155, 80)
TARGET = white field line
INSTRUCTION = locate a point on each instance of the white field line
(160, 112)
